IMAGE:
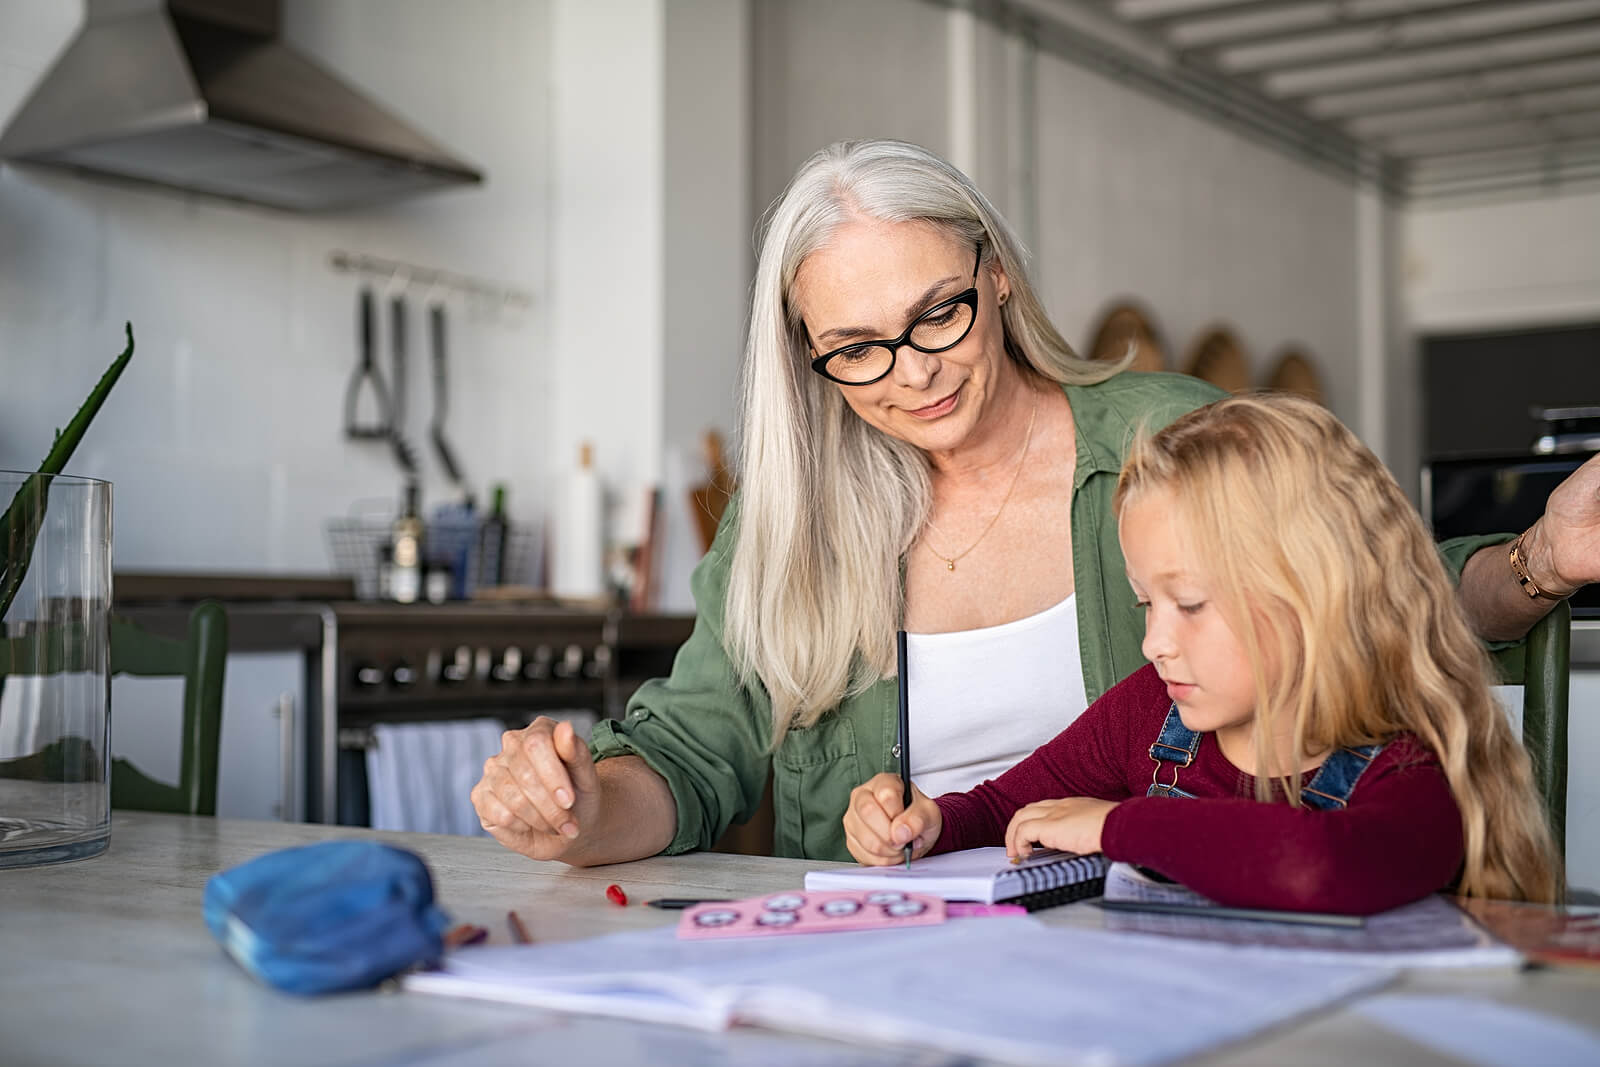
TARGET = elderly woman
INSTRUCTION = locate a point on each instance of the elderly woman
(921, 450)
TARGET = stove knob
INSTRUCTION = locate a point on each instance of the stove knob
(570, 663)
(458, 668)
(510, 666)
(368, 676)
(536, 668)
(404, 675)
(599, 664)
(480, 664)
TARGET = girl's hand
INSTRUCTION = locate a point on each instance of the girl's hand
(877, 827)
(1072, 824)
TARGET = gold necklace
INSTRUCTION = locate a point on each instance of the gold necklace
(950, 561)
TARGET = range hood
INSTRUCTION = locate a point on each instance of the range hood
(202, 95)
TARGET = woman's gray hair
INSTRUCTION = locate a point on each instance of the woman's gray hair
(828, 505)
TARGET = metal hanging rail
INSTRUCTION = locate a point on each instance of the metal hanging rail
(404, 273)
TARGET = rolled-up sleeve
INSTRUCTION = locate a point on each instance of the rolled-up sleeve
(1457, 550)
(700, 729)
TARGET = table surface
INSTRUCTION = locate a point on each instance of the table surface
(108, 960)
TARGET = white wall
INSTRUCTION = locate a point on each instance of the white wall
(650, 248)
(1504, 264)
(828, 70)
(224, 437)
(1138, 199)
(606, 234)
(1118, 194)
(707, 257)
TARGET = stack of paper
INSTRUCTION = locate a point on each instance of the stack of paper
(1431, 932)
(1009, 989)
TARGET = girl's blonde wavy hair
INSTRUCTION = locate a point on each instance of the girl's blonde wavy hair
(827, 504)
(1320, 562)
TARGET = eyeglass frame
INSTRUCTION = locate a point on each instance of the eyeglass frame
(969, 297)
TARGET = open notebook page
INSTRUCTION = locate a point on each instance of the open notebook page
(1007, 989)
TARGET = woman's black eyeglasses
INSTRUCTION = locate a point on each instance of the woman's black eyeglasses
(938, 329)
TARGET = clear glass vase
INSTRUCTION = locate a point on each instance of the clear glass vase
(55, 668)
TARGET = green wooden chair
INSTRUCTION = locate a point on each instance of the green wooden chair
(1540, 664)
(199, 660)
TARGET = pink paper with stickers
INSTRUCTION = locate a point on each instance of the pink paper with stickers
(803, 912)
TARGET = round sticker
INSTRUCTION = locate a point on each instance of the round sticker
(777, 918)
(786, 902)
(840, 906)
(885, 896)
(904, 908)
(716, 917)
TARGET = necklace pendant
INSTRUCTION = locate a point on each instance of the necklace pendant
(949, 564)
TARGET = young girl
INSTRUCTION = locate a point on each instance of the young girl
(1315, 729)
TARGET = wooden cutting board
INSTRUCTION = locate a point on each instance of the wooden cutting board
(1295, 373)
(709, 500)
(1124, 325)
(1218, 357)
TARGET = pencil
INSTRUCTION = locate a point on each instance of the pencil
(905, 729)
(519, 933)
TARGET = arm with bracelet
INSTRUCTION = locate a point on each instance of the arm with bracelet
(1506, 588)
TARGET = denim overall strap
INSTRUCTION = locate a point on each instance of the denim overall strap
(1178, 745)
(1330, 787)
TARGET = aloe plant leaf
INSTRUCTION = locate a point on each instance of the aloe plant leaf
(19, 525)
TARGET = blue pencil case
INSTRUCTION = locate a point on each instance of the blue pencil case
(327, 917)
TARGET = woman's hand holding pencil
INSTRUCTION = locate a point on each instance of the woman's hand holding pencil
(878, 825)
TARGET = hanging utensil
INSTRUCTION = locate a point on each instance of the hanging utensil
(441, 399)
(404, 454)
(366, 373)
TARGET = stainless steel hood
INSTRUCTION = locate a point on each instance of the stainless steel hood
(202, 95)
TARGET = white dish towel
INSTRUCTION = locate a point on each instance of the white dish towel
(420, 775)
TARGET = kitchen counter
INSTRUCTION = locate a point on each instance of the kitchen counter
(371, 662)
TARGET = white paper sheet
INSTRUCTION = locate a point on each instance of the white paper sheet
(1484, 1032)
(1008, 989)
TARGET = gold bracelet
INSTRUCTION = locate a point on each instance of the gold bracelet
(1519, 567)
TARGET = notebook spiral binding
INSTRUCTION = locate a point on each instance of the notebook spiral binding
(1061, 882)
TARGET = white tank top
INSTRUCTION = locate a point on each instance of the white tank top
(981, 700)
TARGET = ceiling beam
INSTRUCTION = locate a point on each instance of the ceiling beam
(1529, 106)
(1518, 182)
(1581, 150)
(1390, 70)
(1576, 71)
(1541, 135)
(1525, 163)
(1195, 34)
(1377, 50)
(1535, 134)
(1160, 15)
(1157, 13)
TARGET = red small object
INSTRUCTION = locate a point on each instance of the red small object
(615, 894)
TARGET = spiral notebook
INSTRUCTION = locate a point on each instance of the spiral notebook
(1043, 880)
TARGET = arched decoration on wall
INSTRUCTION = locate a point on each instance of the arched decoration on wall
(1124, 324)
(1218, 357)
(1295, 373)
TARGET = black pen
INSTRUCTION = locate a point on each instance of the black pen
(905, 730)
(679, 903)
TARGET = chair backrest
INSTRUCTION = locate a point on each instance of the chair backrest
(200, 660)
(1540, 664)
